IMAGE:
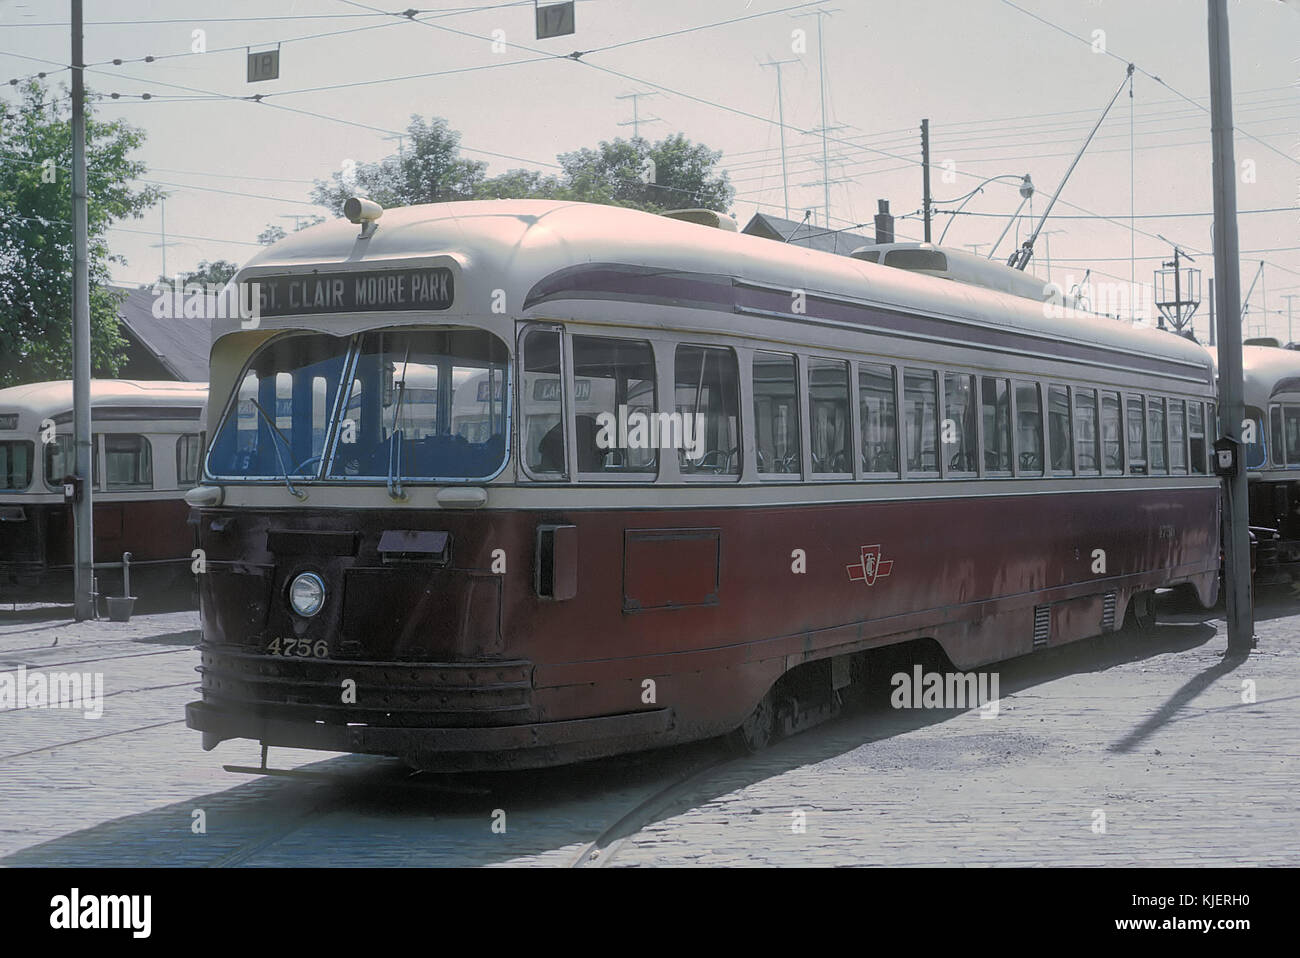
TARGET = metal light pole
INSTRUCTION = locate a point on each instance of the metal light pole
(1290, 338)
(1236, 536)
(83, 528)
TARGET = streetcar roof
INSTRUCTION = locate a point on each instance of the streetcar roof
(513, 245)
(39, 401)
(1267, 372)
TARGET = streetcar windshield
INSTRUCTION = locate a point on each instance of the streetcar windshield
(424, 404)
(418, 404)
(280, 418)
(15, 465)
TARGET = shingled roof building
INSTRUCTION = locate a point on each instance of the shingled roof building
(168, 348)
(798, 233)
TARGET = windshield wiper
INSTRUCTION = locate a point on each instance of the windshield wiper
(395, 436)
(279, 455)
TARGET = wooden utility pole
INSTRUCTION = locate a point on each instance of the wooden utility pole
(1232, 412)
(82, 507)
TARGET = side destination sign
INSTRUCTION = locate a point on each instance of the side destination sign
(357, 292)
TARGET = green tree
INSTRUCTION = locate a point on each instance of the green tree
(273, 233)
(521, 185)
(217, 272)
(670, 174)
(428, 170)
(36, 234)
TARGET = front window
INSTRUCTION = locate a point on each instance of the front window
(424, 404)
(419, 404)
(278, 422)
(16, 464)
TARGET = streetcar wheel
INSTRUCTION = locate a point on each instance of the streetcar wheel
(1142, 607)
(758, 729)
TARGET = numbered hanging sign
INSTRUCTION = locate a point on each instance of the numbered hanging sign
(554, 20)
(264, 65)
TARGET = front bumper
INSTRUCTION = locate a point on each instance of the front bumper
(444, 749)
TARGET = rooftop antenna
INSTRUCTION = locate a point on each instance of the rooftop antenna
(780, 117)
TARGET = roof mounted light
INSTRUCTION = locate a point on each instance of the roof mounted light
(358, 209)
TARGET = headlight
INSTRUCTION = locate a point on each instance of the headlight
(307, 594)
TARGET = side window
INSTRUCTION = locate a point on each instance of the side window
(1177, 436)
(828, 406)
(1276, 436)
(995, 397)
(1058, 429)
(1254, 451)
(613, 430)
(1196, 437)
(705, 429)
(1156, 442)
(1029, 428)
(187, 459)
(1137, 436)
(129, 462)
(879, 416)
(1086, 453)
(959, 409)
(776, 414)
(1112, 432)
(1291, 418)
(541, 402)
(921, 407)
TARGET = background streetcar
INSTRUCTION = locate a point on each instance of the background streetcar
(147, 446)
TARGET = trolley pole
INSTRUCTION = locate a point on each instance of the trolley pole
(83, 529)
(1236, 535)
(925, 174)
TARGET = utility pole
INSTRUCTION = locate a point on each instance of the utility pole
(1288, 297)
(780, 117)
(926, 200)
(1236, 537)
(82, 508)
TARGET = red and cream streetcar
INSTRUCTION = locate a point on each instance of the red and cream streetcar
(147, 445)
(514, 483)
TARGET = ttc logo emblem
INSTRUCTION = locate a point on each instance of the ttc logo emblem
(870, 566)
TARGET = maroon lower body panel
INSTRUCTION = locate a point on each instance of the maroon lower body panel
(677, 622)
(37, 552)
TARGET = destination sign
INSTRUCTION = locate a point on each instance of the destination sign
(356, 292)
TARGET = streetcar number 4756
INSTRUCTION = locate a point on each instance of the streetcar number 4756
(299, 647)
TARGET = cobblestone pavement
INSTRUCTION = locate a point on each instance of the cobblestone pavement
(1156, 733)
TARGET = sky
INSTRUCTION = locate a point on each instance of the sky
(1006, 88)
